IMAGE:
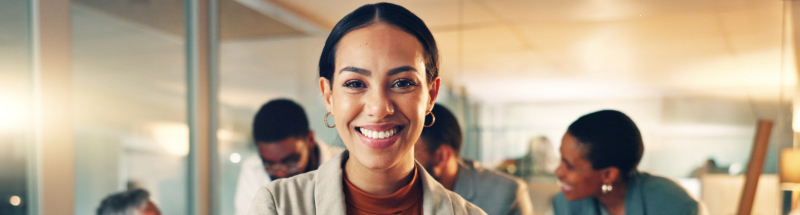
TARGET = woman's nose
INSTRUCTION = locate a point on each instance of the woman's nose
(560, 171)
(379, 105)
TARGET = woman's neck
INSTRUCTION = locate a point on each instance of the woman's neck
(380, 181)
(614, 201)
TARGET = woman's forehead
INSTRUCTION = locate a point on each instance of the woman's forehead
(572, 150)
(377, 45)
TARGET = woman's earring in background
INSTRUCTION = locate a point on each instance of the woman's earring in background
(607, 188)
(326, 121)
(433, 119)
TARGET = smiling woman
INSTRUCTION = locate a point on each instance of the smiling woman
(598, 174)
(379, 79)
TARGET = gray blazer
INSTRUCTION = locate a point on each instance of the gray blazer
(321, 191)
(494, 192)
(646, 195)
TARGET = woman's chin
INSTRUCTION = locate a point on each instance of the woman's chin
(376, 159)
(376, 162)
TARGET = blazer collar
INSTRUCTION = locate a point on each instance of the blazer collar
(435, 198)
(328, 186)
(328, 190)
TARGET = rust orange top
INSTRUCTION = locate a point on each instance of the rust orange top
(406, 201)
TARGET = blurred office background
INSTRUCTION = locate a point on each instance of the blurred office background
(694, 75)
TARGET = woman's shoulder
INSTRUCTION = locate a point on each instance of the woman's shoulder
(301, 181)
(286, 196)
(662, 186)
(658, 191)
(462, 206)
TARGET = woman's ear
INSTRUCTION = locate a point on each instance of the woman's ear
(433, 92)
(610, 175)
(327, 91)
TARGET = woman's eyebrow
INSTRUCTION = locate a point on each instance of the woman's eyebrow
(356, 70)
(401, 69)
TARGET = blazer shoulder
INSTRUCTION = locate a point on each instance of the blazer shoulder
(462, 206)
(663, 194)
(263, 203)
(664, 187)
(293, 195)
(300, 181)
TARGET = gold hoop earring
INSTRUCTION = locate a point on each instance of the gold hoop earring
(326, 121)
(433, 119)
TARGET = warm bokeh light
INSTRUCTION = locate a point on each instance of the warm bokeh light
(236, 158)
(172, 136)
(790, 166)
(12, 113)
(15, 200)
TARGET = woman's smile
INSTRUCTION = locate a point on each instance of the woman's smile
(566, 188)
(379, 136)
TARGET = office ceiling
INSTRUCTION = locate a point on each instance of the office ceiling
(499, 51)
(236, 20)
(552, 50)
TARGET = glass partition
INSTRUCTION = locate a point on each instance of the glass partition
(130, 102)
(16, 99)
(261, 58)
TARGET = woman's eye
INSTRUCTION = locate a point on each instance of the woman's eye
(403, 83)
(354, 84)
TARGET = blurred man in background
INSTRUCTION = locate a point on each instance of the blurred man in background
(286, 147)
(131, 202)
(494, 192)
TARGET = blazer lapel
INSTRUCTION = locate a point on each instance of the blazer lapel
(328, 190)
(434, 196)
(329, 193)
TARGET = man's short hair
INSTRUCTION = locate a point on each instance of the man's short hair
(124, 203)
(280, 119)
(444, 131)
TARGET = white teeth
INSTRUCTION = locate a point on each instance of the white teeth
(378, 134)
(564, 185)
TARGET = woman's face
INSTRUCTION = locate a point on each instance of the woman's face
(575, 173)
(379, 94)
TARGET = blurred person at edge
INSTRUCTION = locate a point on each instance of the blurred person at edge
(131, 202)
(495, 192)
(598, 175)
(286, 147)
(379, 80)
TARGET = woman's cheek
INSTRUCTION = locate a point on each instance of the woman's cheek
(342, 104)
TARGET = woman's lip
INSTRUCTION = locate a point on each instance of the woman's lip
(379, 143)
(564, 187)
